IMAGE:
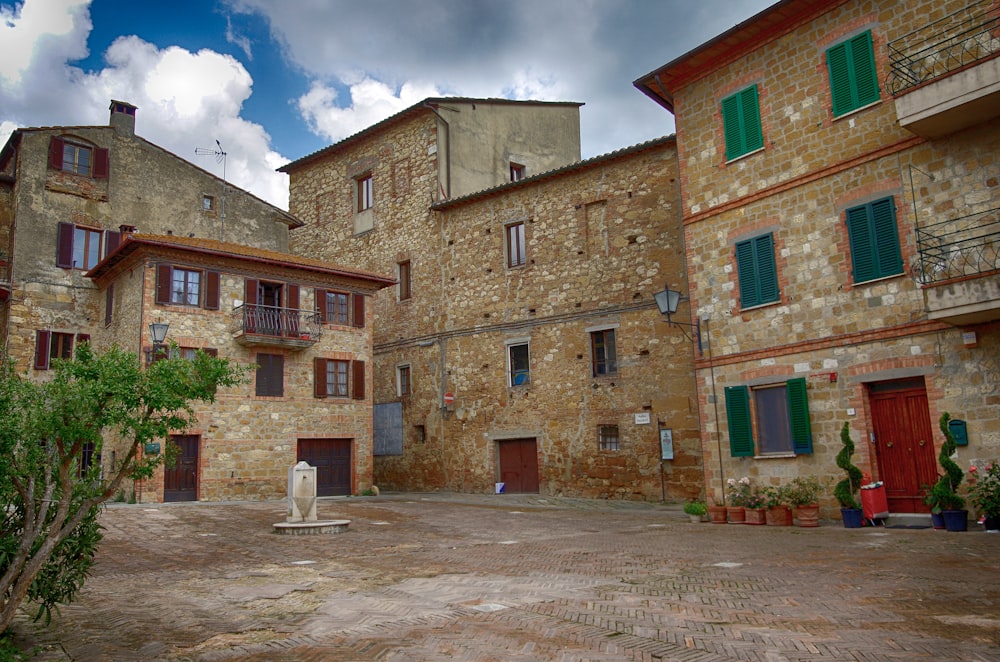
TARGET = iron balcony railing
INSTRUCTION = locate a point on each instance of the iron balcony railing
(966, 246)
(948, 44)
(275, 322)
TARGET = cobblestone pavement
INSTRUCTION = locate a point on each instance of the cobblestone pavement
(506, 577)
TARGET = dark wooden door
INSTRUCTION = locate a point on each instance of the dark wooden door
(519, 465)
(332, 459)
(903, 444)
(180, 481)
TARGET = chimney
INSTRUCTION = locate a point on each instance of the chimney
(123, 117)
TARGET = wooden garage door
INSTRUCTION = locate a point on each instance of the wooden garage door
(332, 459)
(519, 465)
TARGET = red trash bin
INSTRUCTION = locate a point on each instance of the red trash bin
(874, 503)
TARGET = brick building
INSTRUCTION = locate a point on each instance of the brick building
(521, 344)
(839, 165)
(106, 233)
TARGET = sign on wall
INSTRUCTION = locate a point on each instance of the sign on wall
(666, 444)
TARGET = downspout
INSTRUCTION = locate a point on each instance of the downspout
(447, 155)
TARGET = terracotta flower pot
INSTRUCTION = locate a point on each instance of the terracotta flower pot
(717, 514)
(807, 516)
(779, 516)
(755, 516)
(735, 514)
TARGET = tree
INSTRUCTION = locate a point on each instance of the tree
(50, 490)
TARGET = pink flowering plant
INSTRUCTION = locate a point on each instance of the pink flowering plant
(757, 498)
(739, 491)
(984, 489)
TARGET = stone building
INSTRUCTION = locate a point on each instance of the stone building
(107, 233)
(521, 345)
(839, 165)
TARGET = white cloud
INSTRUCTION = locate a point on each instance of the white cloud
(35, 31)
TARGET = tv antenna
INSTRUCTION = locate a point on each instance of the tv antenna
(220, 157)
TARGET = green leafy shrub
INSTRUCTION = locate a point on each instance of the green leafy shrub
(846, 491)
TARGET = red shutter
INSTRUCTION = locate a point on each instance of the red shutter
(102, 164)
(163, 283)
(319, 378)
(64, 245)
(293, 297)
(320, 296)
(82, 337)
(359, 310)
(211, 351)
(112, 240)
(358, 379)
(41, 350)
(109, 304)
(212, 290)
(251, 291)
(56, 153)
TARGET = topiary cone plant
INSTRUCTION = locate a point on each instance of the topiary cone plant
(846, 491)
(945, 490)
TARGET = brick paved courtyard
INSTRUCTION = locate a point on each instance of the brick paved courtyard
(449, 577)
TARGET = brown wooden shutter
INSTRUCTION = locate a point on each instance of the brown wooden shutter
(109, 304)
(212, 290)
(293, 297)
(359, 310)
(112, 240)
(163, 283)
(102, 164)
(56, 153)
(319, 378)
(82, 337)
(358, 379)
(320, 296)
(64, 245)
(42, 350)
(211, 351)
(250, 295)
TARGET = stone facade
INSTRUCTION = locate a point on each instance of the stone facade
(532, 271)
(861, 345)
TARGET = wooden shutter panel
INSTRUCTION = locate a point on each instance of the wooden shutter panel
(731, 127)
(840, 79)
(64, 245)
(746, 274)
(738, 414)
(358, 379)
(293, 297)
(102, 163)
(798, 413)
(163, 283)
(42, 350)
(767, 268)
(82, 337)
(211, 290)
(319, 378)
(250, 294)
(56, 153)
(863, 68)
(862, 244)
(211, 351)
(753, 135)
(109, 304)
(889, 260)
(358, 318)
(112, 240)
(320, 297)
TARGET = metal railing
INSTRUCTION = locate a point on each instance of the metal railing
(276, 322)
(966, 246)
(955, 41)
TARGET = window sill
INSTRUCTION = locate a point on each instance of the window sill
(743, 156)
(877, 280)
(775, 456)
(761, 305)
(851, 113)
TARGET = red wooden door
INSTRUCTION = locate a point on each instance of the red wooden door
(180, 481)
(332, 459)
(904, 445)
(519, 465)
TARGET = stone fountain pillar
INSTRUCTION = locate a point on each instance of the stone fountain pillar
(302, 493)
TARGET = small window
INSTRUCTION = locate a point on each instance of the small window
(365, 192)
(608, 438)
(337, 378)
(55, 345)
(516, 172)
(757, 271)
(403, 380)
(86, 248)
(207, 203)
(874, 240)
(79, 247)
(76, 158)
(185, 287)
(777, 413)
(337, 307)
(741, 123)
(515, 245)
(404, 280)
(517, 358)
(603, 352)
(853, 79)
(270, 375)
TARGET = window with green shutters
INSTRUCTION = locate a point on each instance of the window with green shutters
(781, 412)
(853, 79)
(874, 239)
(757, 270)
(741, 123)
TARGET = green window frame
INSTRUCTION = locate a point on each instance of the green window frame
(853, 78)
(757, 270)
(874, 240)
(741, 123)
(739, 415)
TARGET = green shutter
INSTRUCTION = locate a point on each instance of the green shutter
(767, 268)
(871, 230)
(862, 244)
(863, 68)
(750, 106)
(738, 415)
(757, 271)
(798, 413)
(741, 123)
(853, 77)
(747, 274)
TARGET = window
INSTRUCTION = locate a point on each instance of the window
(81, 247)
(515, 245)
(207, 203)
(365, 196)
(757, 271)
(780, 415)
(187, 287)
(336, 378)
(874, 239)
(88, 459)
(517, 359)
(853, 80)
(404, 280)
(603, 352)
(608, 438)
(741, 123)
(55, 345)
(336, 307)
(403, 380)
(340, 308)
(271, 375)
(516, 172)
(78, 158)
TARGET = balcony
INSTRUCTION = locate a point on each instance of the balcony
(960, 268)
(253, 324)
(945, 76)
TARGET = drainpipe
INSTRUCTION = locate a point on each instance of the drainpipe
(447, 155)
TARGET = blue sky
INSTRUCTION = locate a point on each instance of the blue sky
(274, 80)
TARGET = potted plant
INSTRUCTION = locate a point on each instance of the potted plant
(956, 518)
(756, 506)
(803, 493)
(695, 510)
(846, 491)
(936, 495)
(717, 514)
(984, 493)
(739, 490)
(778, 513)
